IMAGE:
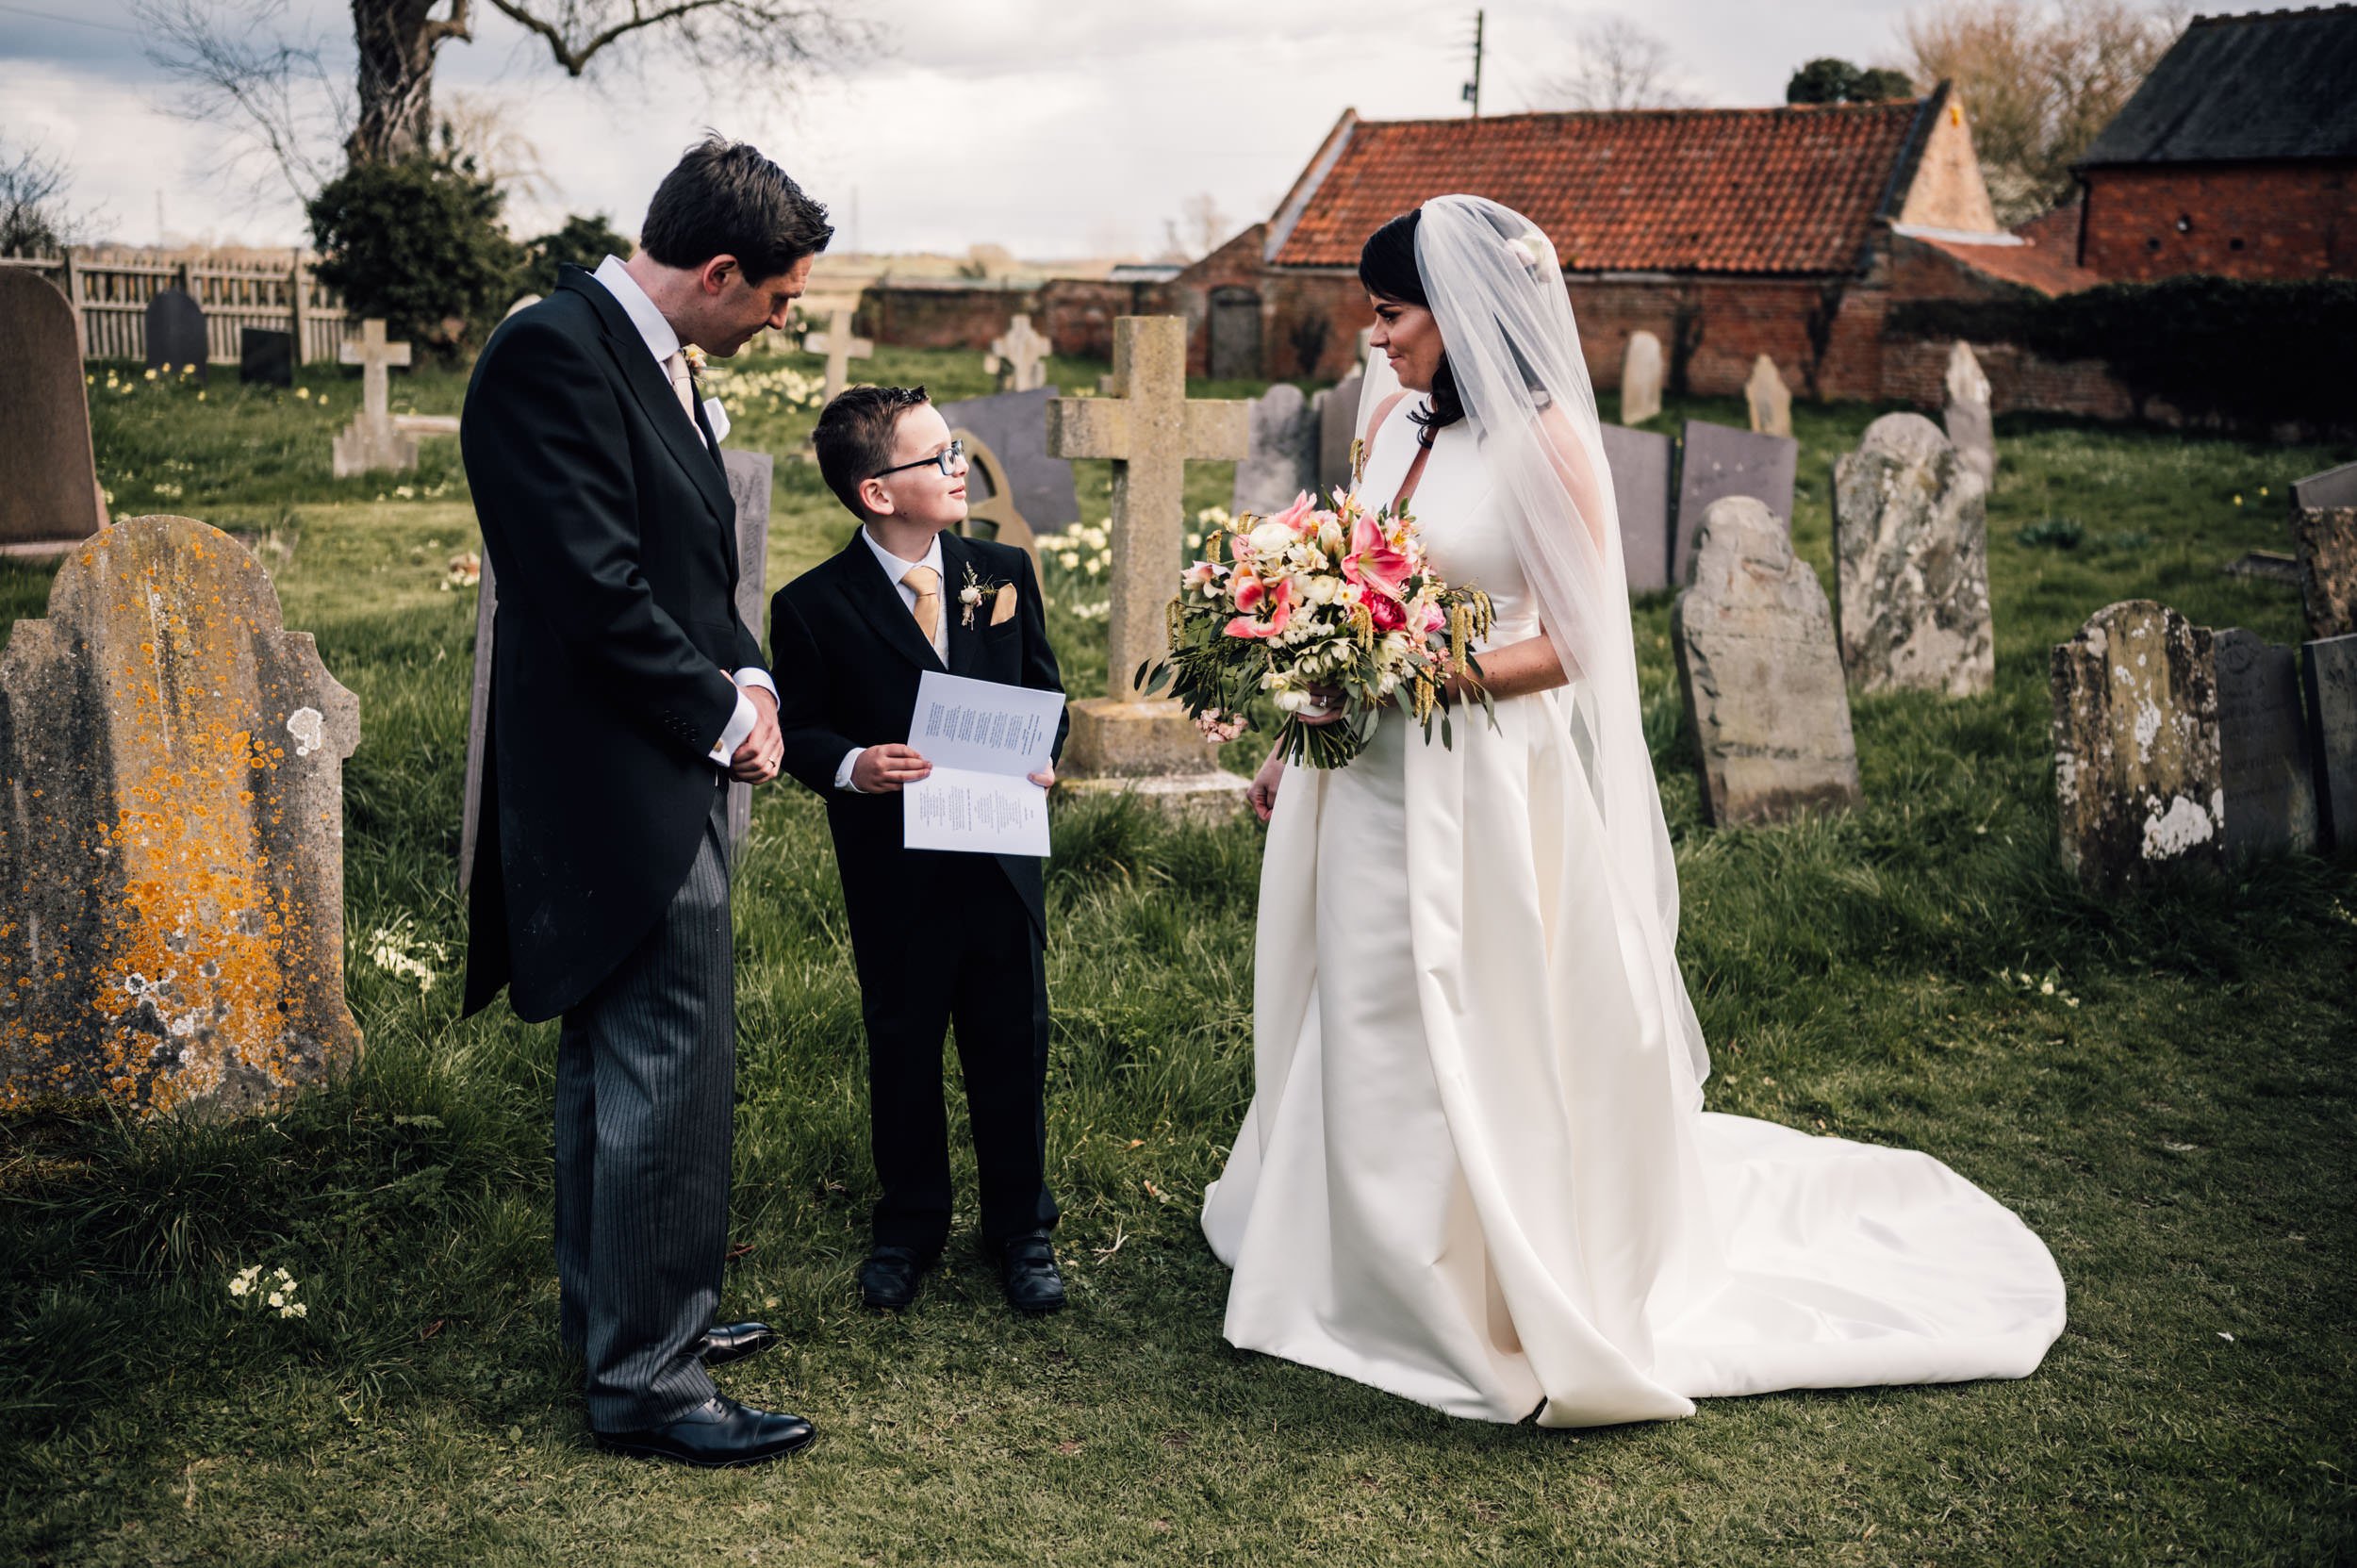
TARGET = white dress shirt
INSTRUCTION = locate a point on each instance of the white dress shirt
(663, 342)
(895, 568)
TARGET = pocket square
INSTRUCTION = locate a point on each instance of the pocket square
(1002, 608)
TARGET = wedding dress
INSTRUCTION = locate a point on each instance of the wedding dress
(1475, 1172)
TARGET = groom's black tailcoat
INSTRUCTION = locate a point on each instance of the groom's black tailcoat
(609, 524)
(939, 936)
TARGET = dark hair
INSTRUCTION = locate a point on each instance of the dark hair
(1387, 265)
(853, 437)
(723, 198)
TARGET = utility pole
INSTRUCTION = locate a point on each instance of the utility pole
(1473, 89)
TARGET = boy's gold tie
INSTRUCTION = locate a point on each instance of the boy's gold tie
(927, 582)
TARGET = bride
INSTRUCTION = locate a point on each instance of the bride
(1476, 1171)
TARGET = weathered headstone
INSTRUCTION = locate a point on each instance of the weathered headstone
(1765, 702)
(2263, 764)
(1768, 399)
(2333, 487)
(171, 865)
(2325, 539)
(1640, 461)
(371, 440)
(1718, 462)
(1337, 411)
(265, 359)
(1910, 546)
(176, 344)
(749, 475)
(49, 492)
(1283, 460)
(1015, 427)
(1150, 431)
(840, 347)
(1969, 425)
(1002, 519)
(1640, 379)
(2136, 734)
(1018, 357)
(2327, 680)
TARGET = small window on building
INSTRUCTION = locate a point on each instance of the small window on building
(2234, 244)
(2185, 223)
(2153, 244)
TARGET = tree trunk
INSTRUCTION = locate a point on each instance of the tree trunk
(397, 40)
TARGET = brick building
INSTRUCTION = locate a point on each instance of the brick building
(2237, 157)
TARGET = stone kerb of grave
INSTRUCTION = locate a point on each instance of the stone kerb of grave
(372, 440)
(49, 494)
(1966, 416)
(1911, 563)
(1768, 399)
(173, 859)
(1640, 379)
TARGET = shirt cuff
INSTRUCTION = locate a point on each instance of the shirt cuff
(843, 774)
(754, 675)
(741, 724)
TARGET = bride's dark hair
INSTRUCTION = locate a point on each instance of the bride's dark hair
(1387, 265)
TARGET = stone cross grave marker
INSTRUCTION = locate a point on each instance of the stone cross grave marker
(176, 334)
(371, 440)
(2324, 539)
(1770, 400)
(172, 860)
(1283, 460)
(1640, 379)
(2136, 770)
(1910, 544)
(1015, 427)
(1018, 357)
(840, 347)
(1640, 461)
(1719, 462)
(1765, 702)
(49, 494)
(1150, 431)
(2328, 679)
(266, 359)
(2263, 764)
(1970, 424)
(749, 475)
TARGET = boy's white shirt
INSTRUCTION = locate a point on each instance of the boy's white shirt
(895, 568)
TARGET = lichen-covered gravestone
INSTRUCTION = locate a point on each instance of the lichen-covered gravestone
(1769, 398)
(2325, 540)
(1970, 426)
(49, 492)
(2136, 767)
(1283, 459)
(171, 848)
(1765, 701)
(1911, 562)
(1640, 379)
(2263, 747)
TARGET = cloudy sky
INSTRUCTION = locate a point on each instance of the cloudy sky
(1054, 127)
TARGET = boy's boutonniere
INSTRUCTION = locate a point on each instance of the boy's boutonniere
(970, 598)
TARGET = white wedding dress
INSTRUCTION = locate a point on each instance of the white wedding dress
(1474, 1172)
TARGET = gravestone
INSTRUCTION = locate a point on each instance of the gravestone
(265, 359)
(2333, 487)
(372, 440)
(1015, 427)
(749, 475)
(172, 863)
(2325, 540)
(1910, 545)
(1969, 425)
(1018, 357)
(176, 334)
(2328, 679)
(2136, 734)
(1337, 411)
(1640, 461)
(1151, 430)
(1770, 400)
(996, 509)
(2263, 764)
(1640, 379)
(1718, 462)
(840, 347)
(1765, 702)
(49, 494)
(1283, 460)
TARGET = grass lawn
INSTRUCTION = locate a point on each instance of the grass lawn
(2175, 1118)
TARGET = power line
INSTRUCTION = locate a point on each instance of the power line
(72, 20)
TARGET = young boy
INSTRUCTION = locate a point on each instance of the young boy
(940, 938)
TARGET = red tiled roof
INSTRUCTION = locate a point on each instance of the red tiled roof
(2045, 268)
(1737, 191)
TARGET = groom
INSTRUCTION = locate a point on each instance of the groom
(625, 693)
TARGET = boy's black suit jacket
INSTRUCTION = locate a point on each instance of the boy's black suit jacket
(848, 655)
(607, 517)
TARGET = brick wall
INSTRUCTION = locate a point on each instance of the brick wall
(1075, 315)
(1915, 370)
(2284, 221)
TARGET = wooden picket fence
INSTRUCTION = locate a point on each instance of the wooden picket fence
(109, 291)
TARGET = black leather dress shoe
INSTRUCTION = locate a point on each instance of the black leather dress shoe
(887, 1280)
(1027, 1266)
(718, 1434)
(724, 1343)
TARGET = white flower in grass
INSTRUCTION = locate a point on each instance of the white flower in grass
(277, 1299)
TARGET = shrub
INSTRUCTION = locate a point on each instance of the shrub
(417, 243)
(583, 240)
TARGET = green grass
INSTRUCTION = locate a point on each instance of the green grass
(2181, 1139)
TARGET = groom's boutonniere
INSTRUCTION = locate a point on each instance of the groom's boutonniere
(695, 357)
(970, 598)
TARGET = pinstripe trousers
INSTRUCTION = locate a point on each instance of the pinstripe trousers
(645, 1085)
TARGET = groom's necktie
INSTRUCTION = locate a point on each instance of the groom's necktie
(926, 584)
(683, 384)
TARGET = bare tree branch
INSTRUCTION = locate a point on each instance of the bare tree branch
(1619, 65)
(235, 64)
(764, 33)
(35, 216)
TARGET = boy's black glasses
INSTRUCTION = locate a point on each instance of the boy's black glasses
(946, 460)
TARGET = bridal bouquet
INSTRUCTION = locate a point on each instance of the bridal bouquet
(1316, 605)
